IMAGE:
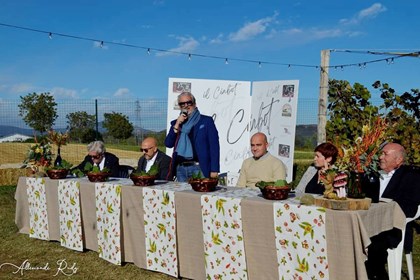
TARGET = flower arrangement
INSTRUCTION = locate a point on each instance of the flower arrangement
(58, 138)
(39, 154)
(363, 156)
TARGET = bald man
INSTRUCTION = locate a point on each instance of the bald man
(152, 155)
(262, 166)
(400, 183)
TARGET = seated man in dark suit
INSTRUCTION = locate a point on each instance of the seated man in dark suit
(400, 183)
(98, 156)
(152, 155)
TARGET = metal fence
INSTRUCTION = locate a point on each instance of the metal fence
(148, 116)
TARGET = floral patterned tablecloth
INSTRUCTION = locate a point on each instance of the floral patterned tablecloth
(37, 200)
(300, 241)
(222, 233)
(160, 227)
(108, 213)
(70, 215)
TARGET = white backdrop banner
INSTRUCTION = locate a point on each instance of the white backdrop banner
(273, 111)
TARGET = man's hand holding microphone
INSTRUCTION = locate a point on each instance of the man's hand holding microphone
(183, 116)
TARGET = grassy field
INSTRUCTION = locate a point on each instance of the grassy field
(15, 153)
(15, 248)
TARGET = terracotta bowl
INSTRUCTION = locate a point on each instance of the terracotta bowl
(57, 173)
(204, 185)
(275, 193)
(142, 180)
(98, 176)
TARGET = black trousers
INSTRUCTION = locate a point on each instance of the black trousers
(377, 252)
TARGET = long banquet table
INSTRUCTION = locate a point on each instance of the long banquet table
(347, 232)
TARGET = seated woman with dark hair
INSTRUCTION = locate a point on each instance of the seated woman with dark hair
(324, 157)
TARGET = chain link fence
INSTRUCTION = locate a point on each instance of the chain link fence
(148, 117)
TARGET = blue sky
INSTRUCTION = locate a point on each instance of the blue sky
(283, 32)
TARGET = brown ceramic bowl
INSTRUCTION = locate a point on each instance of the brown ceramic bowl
(275, 193)
(98, 176)
(57, 173)
(204, 185)
(142, 180)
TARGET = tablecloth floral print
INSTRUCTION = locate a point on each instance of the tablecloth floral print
(223, 237)
(108, 213)
(69, 213)
(160, 228)
(300, 241)
(37, 200)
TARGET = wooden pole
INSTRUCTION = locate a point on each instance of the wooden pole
(323, 96)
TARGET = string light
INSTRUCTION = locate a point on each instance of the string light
(389, 60)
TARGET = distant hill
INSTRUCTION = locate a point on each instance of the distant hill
(306, 130)
(6, 130)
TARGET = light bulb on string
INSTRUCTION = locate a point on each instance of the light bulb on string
(189, 56)
(102, 44)
(259, 64)
(342, 68)
(289, 66)
(148, 51)
(50, 35)
(226, 61)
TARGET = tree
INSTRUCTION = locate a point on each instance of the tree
(38, 111)
(80, 125)
(118, 125)
(350, 108)
(403, 114)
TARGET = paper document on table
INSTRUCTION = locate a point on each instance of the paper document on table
(384, 199)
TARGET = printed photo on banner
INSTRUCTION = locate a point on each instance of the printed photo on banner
(284, 150)
(180, 87)
(286, 110)
(288, 91)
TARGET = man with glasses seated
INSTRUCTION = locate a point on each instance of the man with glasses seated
(98, 156)
(195, 140)
(152, 155)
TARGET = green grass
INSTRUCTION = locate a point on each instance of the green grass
(16, 248)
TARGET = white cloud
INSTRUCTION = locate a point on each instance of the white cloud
(22, 88)
(64, 92)
(364, 14)
(252, 29)
(186, 45)
(122, 92)
(218, 39)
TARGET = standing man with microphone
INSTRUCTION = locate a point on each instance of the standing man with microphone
(195, 140)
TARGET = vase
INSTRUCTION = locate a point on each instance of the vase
(355, 185)
(58, 159)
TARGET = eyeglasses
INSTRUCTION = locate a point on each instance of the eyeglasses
(145, 150)
(186, 103)
(97, 156)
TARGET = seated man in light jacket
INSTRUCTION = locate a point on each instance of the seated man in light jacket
(262, 166)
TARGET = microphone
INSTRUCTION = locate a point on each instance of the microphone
(184, 112)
